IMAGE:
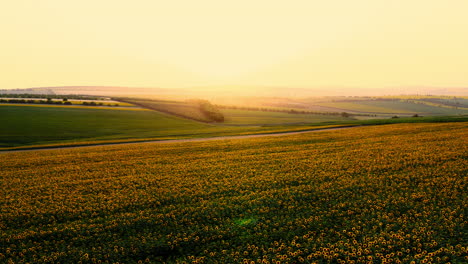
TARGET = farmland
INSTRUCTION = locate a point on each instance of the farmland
(191, 109)
(51, 125)
(246, 117)
(48, 99)
(393, 107)
(381, 106)
(36, 125)
(377, 194)
(29, 125)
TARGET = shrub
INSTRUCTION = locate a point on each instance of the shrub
(211, 111)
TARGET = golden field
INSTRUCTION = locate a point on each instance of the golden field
(377, 194)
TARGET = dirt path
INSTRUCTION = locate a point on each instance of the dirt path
(185, 140)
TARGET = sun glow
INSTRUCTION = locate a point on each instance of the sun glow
(363, 43)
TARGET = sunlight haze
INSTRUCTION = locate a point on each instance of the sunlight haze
(363, 43)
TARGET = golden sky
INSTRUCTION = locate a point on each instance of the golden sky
(309, 43)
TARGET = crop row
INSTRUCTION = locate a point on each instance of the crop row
(384, 194)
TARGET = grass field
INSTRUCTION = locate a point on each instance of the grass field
(35, 125)
(38, 125)
(393, 107)
(247, 117)
(80, 106)
(189, 110)
(379, 194)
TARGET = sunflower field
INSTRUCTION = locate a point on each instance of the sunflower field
(377, 194)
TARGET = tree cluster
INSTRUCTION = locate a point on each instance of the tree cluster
(211, 111)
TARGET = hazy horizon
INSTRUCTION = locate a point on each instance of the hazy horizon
(217, 92)
(358, 47)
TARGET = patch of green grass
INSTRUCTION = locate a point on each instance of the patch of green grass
(413, 107)
(248, 117)
(189, 110)
(393, 107)
(30, 125)
(359, 106)
(423, 119)
(25, 126)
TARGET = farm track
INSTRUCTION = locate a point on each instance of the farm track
(184, 140)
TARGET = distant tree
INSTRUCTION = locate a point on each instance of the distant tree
(344, 114)
(67, 103)
(395, 117)
(210, 111)
(415, 115)
(65, 99)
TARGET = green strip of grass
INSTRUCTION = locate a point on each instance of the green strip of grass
(37, 127)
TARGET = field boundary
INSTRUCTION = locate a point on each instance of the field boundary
(239, 134)
(179, 140)
(76, 106)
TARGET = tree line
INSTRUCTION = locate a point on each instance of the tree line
(53, 102)
(52, 96)
(290, 111)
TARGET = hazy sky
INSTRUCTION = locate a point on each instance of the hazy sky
(155, 43)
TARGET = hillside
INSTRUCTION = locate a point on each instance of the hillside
(25, 125)
(198, 110)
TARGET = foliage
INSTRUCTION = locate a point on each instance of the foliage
(381, 194)
(294, 110)
(52, 96)
(198, 110)
(64, 101)
(210, 111)
(175, 108)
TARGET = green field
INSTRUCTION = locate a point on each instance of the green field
(33, 125)
(40, 125)
(393, 107)
(187, 109)
(378, 194)
(44, 125)
(246, 117)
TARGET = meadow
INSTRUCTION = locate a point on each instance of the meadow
(37, 126)
(394, 107)
(404, 106)
(376, 194)
(32, 126)
(184, 109)
(249, 117)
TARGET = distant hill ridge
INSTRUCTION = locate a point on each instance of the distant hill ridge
(263, 91)
(88, 90)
